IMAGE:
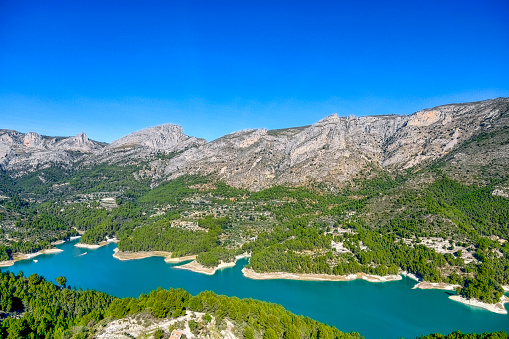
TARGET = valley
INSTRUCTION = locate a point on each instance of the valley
(424, 194)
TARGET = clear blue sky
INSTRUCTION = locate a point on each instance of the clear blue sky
(109, 68)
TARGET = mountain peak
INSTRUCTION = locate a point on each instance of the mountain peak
(81, 138)
(32, 139)
(162, 137)
(333, 118)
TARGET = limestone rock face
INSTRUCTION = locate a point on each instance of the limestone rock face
(23, 153)
(79, 143)
(145, 145)
(167, 137)
(334, 150)
(431, 133)
(33, 140)
(5, 154)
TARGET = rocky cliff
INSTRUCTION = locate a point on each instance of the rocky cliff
(333, 150)
(22, 153)
(145, 145)
(167, 137)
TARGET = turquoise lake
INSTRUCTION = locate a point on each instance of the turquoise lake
(376, 310)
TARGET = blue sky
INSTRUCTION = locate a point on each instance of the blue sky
(109, 68)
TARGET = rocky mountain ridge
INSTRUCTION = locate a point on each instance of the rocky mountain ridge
(166, 137)
(333, 150)
(28, 152)
(336, 149)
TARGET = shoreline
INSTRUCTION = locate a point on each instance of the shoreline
(170, 260)
(196, 267)
(411, 276)
(425, 285)
(96, 246)
(93, 246)
(58, 242)
(22, 256)
(251, 274)
(496, 308)
(124, 256)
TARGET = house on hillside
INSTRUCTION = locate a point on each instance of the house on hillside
(176, 334)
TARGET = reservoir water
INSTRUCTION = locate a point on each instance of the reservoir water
(375, 310)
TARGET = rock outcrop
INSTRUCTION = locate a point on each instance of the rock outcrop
(167, 137)
(22, 153)
(144, 145)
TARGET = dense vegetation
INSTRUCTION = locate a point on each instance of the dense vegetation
(36, 308)
(160, 236)
(33, 229)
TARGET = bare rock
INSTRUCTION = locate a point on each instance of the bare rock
(334, 150)
(24, 153)
(33, 140)
(167, 137)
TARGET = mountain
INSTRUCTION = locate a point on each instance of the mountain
(23, 153)
(145, 145)
(167, 137)
(334, 150)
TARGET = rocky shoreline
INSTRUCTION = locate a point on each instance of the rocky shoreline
(179, 259)
(425, 285)
(96, 246)
(124, 256)
(496, 308)
(23, 256)
(194, 266)
(58, 242)
(251, 274)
